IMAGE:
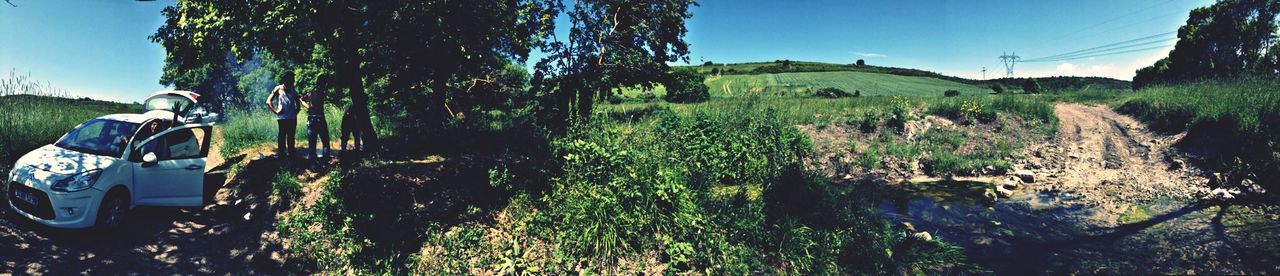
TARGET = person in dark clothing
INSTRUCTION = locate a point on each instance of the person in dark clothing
(354, 120)
(316, 125)
(286, 110)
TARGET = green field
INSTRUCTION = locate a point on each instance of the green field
(29, 122)
(869, 84)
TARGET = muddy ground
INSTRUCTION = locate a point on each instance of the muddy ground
(1105, 195)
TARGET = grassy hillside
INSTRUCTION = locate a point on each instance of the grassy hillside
(869, 84)
(1232, 123)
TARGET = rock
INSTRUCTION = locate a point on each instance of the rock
(1002, 192)
(923, 236)
(1220, 193)
(908, 226)
(1216, 180)
(989, 197)
(1025, 175)
(1011, 184)
(1177, 164)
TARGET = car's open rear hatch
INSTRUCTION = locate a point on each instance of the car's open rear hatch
(181, 103)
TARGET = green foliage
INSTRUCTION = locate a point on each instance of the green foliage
(832, 92)
(614, 44)
(682, 184)
(1226, 39)
(685, 86)
(32, 121)
(874, 84)
(861, 62)
(997, 88)
(1031, 86)
(1227, 121)
(951, 93)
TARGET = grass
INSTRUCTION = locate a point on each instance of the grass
(805, 83)
(30, 121)
(1233, 124)
(252, 128)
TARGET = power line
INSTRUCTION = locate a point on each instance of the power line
(1105, 54)
(1104, 50)
(1078, 33)
(1112, 45)
(1009, 61)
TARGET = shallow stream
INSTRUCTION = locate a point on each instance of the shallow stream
(1047, 232)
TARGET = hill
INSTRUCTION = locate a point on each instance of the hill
(1058, 83)
(801, 83)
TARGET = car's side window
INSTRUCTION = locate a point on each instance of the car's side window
(182, 144)
(157, 147)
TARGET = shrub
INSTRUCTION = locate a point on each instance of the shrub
(997, 88)
(857, 93)
(1031, 86)
(951, 93)
(831, 92)
(686, 86)
(861, 63)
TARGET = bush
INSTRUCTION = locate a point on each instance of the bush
(831, 92)
(686, 86)
(857, 93)
(997, 88)
(1031, 86)
(861, 63)
(951, 93)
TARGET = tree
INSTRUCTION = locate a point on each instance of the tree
(1031, 86)
(708, 63)
(686, 86)
(861, 63)
(419, 52)
(1227, 39)
(620, 43)
(997, 88)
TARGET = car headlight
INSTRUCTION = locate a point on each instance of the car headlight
(78, 182)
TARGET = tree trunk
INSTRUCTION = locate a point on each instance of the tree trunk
(348, 69)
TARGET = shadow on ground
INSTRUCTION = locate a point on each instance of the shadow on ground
(233, 233)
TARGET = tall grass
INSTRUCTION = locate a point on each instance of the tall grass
(257, 127)
(17, 84)
(28, 121)
(1235, 124)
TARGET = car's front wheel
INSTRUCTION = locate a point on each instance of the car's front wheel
(112, 211)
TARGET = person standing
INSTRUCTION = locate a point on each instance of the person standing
(316, 125)
(283, 101)
(353, 121)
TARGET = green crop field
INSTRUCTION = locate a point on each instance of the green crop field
(869, 84)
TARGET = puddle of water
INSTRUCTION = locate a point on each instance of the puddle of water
(1034, 233)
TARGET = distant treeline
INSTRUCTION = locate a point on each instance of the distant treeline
(1061, 83)
(786, 66)
(1227, 40)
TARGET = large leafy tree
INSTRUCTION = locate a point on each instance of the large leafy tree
(1227, 39)
(419, 51)
(611, 44)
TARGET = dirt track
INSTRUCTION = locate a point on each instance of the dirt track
(234, 233)
(1104, 158)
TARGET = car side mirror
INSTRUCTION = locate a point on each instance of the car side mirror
(149, 159)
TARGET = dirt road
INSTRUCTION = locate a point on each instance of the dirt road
(234, 233)
(1102, 158)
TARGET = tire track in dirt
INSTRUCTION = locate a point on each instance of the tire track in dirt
(1100, 157)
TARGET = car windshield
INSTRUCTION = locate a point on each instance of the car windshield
(99, 137)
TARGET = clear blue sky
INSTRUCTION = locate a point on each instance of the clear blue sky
(100, 49)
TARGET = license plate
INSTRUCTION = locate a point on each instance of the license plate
(25, 197)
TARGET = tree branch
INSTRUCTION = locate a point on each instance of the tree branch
(10, 3)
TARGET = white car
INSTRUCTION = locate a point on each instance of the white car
(110, 164)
